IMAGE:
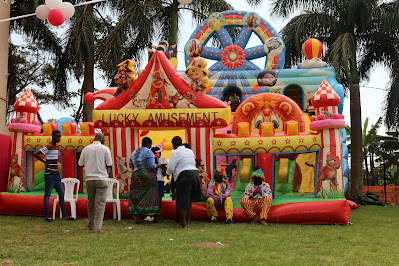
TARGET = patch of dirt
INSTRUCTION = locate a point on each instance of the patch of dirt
(208, 245)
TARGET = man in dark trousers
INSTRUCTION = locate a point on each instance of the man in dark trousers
(52, 177)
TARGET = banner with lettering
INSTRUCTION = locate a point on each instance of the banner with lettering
(163, 118)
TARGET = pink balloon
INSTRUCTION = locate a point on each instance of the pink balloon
(56, 17)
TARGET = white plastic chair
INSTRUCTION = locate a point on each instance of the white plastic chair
(110, 197)
(69, 186)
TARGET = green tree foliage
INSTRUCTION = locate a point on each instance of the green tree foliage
(28, 67)
(83, 40)
(140, 22)
(348, 29)
(38, 33)
(380, 153)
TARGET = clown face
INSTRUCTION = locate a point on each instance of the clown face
(267, 115)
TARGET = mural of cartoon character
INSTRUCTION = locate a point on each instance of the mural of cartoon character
(125, 76)
(216, 21)
(16, 176)
(157, 98)
(268, 107)
(174, 99)
(309, 107)
(194, 48)
(252, 20)
(135, 102)
(267, 78)
(204, 178)
(123, 177)
(163, 46)
(329, 170)
(190, 99)
(198, 74)
(170, 52)
(273, 46)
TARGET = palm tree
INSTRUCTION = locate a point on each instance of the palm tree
(77, 53)
(381, 47)
(87, 28)
(139, 22)
(347, 28)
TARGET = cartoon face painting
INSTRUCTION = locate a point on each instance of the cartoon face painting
(194, 48)
(216, 21)
(251, 20)
(267, 78)
(273, 46)
(268, 107)
(267, 115)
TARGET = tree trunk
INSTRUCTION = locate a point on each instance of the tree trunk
(173, 23)
(356, 141)
(366, 169)
(88, 86)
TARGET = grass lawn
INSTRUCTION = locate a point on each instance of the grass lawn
(371, 239)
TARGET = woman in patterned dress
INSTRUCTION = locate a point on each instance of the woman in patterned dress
(143, 195)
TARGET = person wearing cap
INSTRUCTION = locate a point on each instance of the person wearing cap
(182, 166)
(218, 196)
(257, 198)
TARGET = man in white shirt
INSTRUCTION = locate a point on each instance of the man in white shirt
(186, 176)
(96, 158)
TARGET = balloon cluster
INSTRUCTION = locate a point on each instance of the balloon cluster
(55, 11)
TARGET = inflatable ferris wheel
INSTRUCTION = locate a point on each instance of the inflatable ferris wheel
(234, 67)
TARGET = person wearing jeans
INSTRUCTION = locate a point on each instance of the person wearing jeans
(52, 177)
(96, 158)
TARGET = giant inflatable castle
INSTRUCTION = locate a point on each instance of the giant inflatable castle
(288, 122)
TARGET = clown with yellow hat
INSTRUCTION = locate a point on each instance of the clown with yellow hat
(257, 198)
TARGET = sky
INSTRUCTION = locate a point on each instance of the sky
(372, 92)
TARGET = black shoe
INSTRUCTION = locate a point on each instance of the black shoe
(229, 221)
(68, 218)
(49, 219)
(214, 221)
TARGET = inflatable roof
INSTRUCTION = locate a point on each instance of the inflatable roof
(159, 86)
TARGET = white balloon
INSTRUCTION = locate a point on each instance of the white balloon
(53, 4)
(185, 2)
(68, 9)
(42, 12)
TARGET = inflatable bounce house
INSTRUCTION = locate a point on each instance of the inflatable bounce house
(286, 121)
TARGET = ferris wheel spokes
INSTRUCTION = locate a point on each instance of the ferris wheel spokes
(255, 52)
(243, 37)
(223, 37)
